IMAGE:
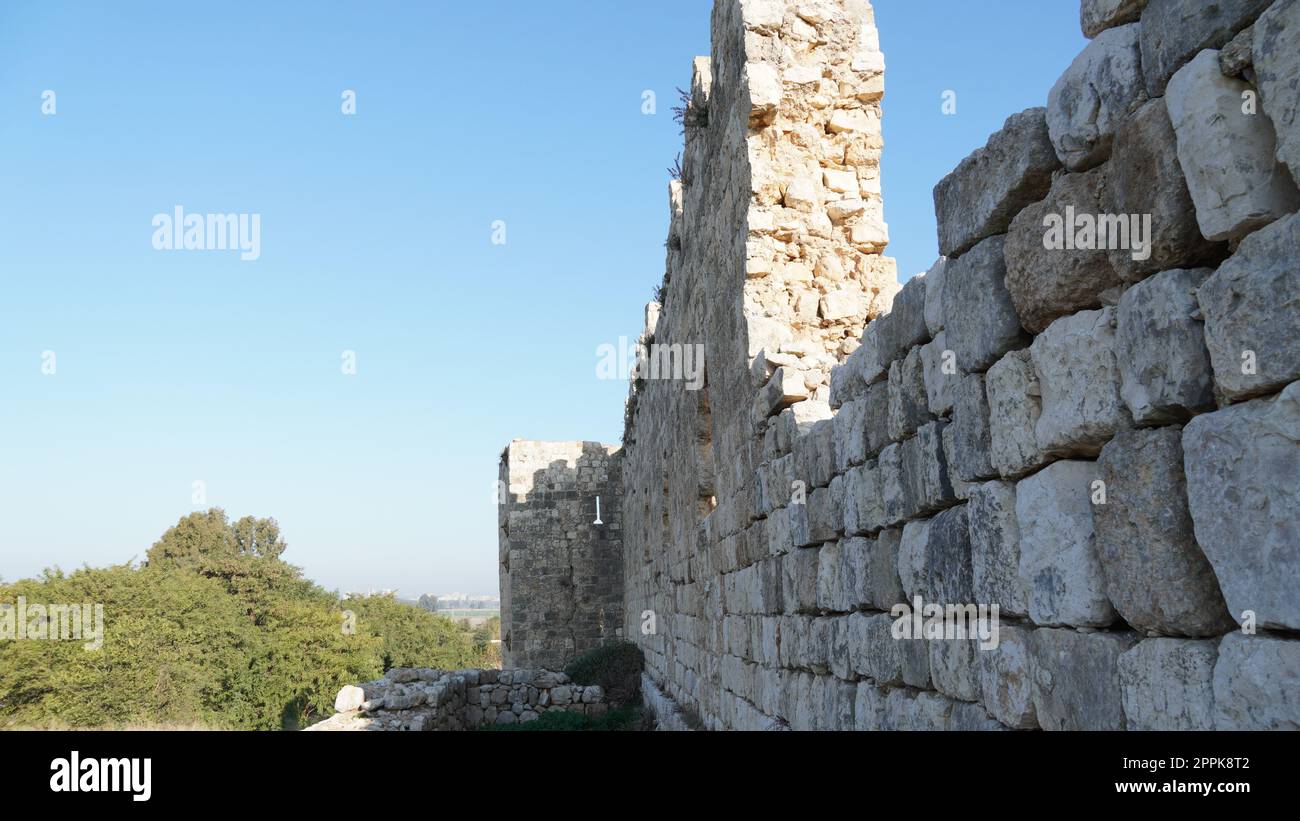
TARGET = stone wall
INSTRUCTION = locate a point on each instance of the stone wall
(561, 571)
(1103, 443)
(427, 700)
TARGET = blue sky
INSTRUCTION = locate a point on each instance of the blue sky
(376, 231)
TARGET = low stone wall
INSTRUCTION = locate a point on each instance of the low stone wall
(426, 699)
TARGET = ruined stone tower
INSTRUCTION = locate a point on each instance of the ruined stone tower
(561, 560)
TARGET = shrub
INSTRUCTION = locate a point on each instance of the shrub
(616, 667)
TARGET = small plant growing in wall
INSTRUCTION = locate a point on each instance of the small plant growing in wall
(675, 171)
(687, 114)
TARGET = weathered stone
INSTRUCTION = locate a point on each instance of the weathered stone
(1237, 59)
(834, 580)
(1079, 382)
(1156, 575)
(1174, 31)
(1276, 58)
(934, 296)
(908, 402)
(876, 421)
(898, 331)
(882, 588)
(979, 198)
(980, 321)
(1006, 678)
(849, 430)
(893, 490)
(960, 487)
(785, 388)
(1257, 683)
(995, 548)
(972, 443)
(955, 667)
(948, 576)
(1058, 553)
(913, 563)
(1056, 262)
(939, 366)
(915, 657)
(1144, 180)
(1227, 155)
(349, 698)
(1243, 481)
(1095, 16)
(799, 579)
(1251, 307)
(1160, 348)
(873, 650)
(1099, 89)
(1168, 684)
(1015, 405)
(1076, 679)
(925, 472)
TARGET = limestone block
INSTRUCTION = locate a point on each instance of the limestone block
(1160, 348)
(882, 588)
(871, 511)
(873, 650)
(980, 319)
(1227, 155)
(893, 490)
(1056, 263)
(825, 518)
(979, 198)
(1095, 16)
(947, 568)
(955, 667)
(1257, 683)
(925, 472)
(934, 296)
(939, 367)
(834, 579)
(1144, 178)
(876, 422)
(1174, 31)
(908, 401)
(819, 453)
(796, 421)
(1099, 89)
(915, 656)
(898, 331)
(995, 548)
(1243, 479)
(1251, 307)
(348, 699)
(913, 562)
(1168, 684)
(1006, 678)
(1276, 56)
(850, 435)
(960, 488)
(799, 581)
(1058, 552)
(1079, 382)
(785, 388)
(842, 303)
(1015, 405)
(1076, 679)
(1237, 59)
(1156, 575)
(868, 707)
(972, 442)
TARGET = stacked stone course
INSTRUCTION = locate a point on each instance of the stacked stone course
(1068, 434)
(421, 699)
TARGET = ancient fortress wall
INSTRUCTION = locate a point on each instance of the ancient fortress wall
(1103, 443)
(561, 569)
